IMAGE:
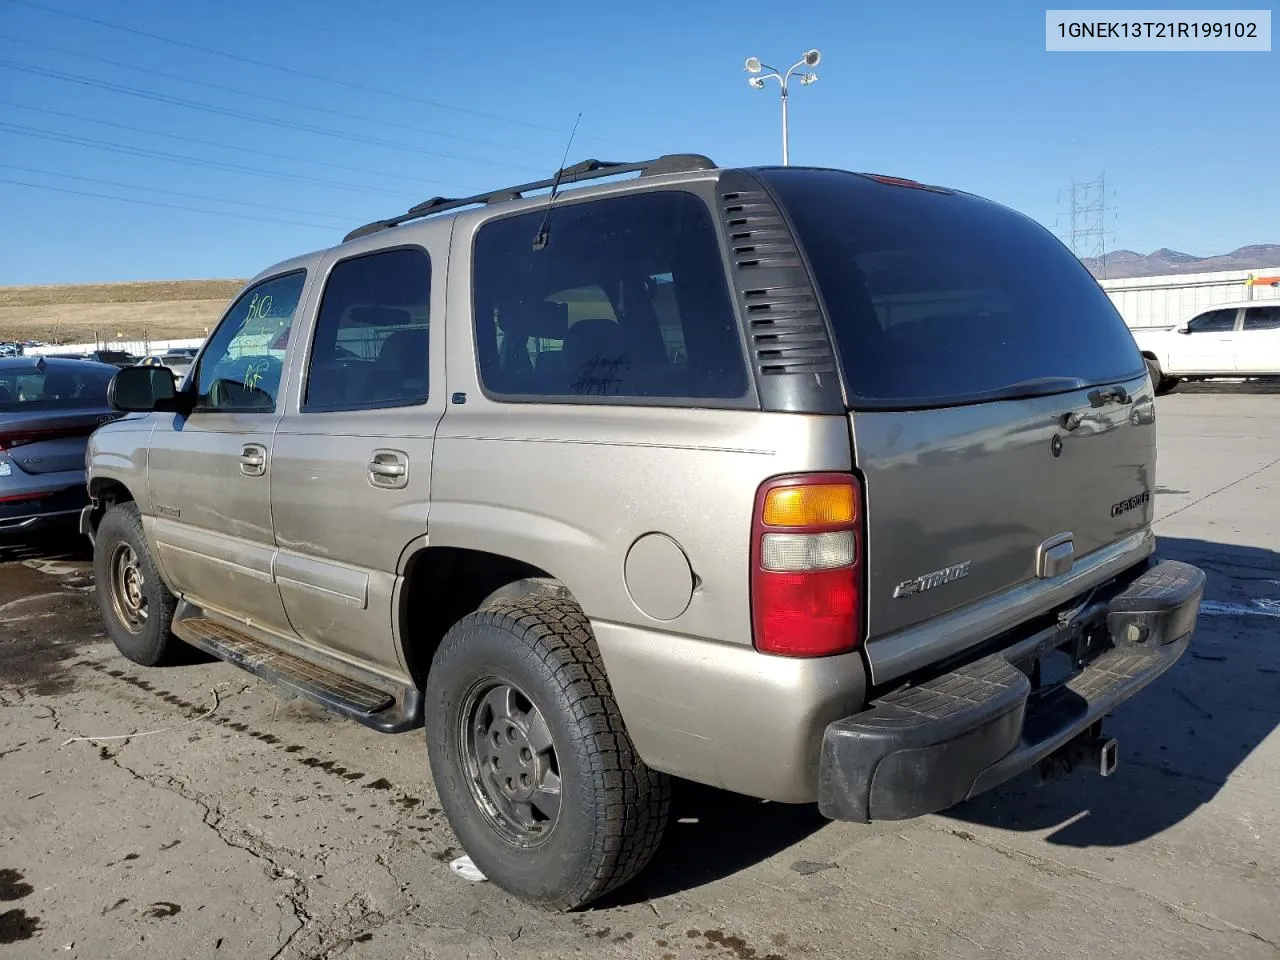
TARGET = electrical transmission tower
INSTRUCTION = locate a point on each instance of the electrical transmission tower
(1086, 233)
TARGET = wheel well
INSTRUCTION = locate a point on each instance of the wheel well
(443, 584)
(105, 493)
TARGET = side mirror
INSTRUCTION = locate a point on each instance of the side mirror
(1183, 329)
(143, 390)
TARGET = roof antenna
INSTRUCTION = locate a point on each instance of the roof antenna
(543, 236)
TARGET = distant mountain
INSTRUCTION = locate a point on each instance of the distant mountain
(1128, 263)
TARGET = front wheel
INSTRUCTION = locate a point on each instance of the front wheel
(136, 607)
(1159, 382)
(531, 760)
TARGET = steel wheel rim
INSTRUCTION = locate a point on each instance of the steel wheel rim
(128, 593)
(513, 771)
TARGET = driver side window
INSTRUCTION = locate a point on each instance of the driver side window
(242, 365)
(1216, 321)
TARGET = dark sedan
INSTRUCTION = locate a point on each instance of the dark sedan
(48, 408)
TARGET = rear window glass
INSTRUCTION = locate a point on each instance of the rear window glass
(52, 389)
(939, 298)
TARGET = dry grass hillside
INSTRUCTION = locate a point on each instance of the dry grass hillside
(168, 309)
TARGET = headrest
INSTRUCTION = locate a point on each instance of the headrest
(381, 316)
(542, 319)
(59, 385)
(415, 339)
(597, 337)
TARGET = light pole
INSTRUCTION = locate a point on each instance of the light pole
(754, 66)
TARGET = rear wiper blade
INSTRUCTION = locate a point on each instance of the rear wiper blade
(1037, 387)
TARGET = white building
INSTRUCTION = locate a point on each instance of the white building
(1171, 299)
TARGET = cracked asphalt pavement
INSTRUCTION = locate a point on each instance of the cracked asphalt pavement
(227, 820)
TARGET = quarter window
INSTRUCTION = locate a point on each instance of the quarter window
(627, 299)
(241, 367)
(370, 345)
(1262, 318)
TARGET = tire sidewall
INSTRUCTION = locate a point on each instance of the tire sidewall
(1154, 372)
(122, 524)
(481, 647)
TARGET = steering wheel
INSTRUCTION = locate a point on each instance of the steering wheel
(246, 381)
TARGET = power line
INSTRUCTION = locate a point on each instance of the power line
(173, 193)
(168, 206)
(258, 95)
(283, 69)
(112, 147)
(223, 145)
(245, 115)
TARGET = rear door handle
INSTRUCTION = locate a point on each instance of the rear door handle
(253, 460)
(389, 468)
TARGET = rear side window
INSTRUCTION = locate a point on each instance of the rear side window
(939, 298)
(52, 389)
(1262, 318)
(370, 344)
(628, 299)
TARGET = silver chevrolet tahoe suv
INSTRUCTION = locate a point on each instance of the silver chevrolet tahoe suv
(806, 484)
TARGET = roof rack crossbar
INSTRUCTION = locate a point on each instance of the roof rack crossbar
(584, 170)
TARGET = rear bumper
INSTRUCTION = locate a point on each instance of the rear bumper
(924, 748)
(36, 507)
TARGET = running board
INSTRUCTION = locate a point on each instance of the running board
(362, 702)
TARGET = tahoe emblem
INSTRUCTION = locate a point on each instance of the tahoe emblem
(1124, 506)
(909, 588)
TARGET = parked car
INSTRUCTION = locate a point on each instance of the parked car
(48, 408)
(179, 363)
(790, 481)
(1229, 340)
(118, 358)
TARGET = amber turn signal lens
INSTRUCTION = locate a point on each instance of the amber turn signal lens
(809, 505)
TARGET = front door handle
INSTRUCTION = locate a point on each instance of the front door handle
(253, 460)
(389, 468)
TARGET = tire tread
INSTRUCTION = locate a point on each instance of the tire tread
(163, 647)
(633, 821)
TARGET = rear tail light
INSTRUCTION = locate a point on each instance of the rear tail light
(17, 438)
(23, 497)
(806, 577)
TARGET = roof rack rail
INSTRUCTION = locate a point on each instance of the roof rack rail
(585, 170)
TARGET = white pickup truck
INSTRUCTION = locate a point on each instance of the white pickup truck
(1227, 340)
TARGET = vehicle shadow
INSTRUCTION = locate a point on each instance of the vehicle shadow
(713, 834)
(1254, 387)
(63, 543)
(1183, 736)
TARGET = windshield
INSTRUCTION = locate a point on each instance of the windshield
(29, 390)
(939, 298)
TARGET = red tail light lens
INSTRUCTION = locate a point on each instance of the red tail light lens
(23, 497)
(806, 555)
(18, 438)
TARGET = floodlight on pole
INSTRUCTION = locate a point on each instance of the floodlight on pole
(754, 66)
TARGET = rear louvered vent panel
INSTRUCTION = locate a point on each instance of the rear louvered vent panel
(785, 324)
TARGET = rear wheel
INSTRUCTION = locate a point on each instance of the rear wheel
(530, 757)
(136, 607)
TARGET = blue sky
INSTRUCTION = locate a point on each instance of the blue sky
(487, 94)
